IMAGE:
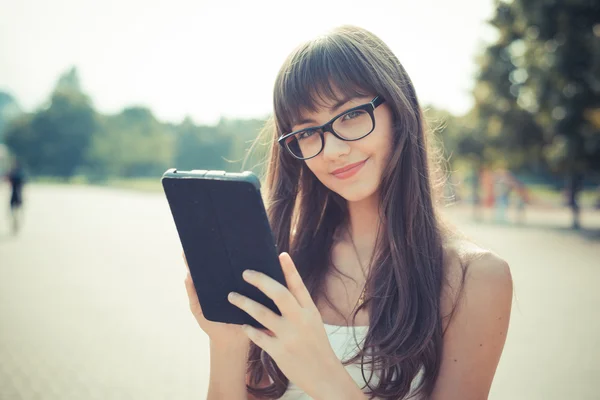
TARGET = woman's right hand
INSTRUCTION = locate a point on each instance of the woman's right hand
(221, 334)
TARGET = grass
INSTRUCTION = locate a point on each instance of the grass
(140, 184)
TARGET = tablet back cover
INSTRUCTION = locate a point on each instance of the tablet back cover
(223, 228)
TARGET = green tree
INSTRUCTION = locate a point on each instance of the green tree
(202, 147)
(132, 143)
(54, 140)
(505, 126)
(538, 91)
(243, 154)
(9, 110)
(562, 42)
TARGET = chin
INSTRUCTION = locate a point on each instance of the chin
(358, 193)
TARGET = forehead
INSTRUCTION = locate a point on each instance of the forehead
(323, 105)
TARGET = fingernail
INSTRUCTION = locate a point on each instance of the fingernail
(232, 296)
(248, 273)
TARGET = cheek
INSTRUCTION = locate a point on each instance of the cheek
(311, 164)
(379, 147)
(319, 168)
(388, 146)
(385, 144)
(316, 167)
(386, 131)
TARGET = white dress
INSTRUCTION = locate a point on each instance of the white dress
(345, 342)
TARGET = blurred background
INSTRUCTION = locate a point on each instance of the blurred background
(98, 99)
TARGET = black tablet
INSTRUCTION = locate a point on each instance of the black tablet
(223, 227)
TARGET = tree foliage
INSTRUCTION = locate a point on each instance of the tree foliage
(54, 140)
(66, 136)
(538, 90)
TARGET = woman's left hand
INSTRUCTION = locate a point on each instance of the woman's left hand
(296, 340)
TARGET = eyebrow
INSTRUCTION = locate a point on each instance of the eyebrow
(333, 108)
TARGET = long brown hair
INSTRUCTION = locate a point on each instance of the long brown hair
(405, 279)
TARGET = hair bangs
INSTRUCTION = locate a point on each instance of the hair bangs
(316, 76)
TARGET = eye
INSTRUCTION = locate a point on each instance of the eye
(352, 115)
(306, 134)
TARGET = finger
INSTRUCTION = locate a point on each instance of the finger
(294, 282)
(262, 314)
(185, 261)
(281, 296)
(261, 339)
(192, 295)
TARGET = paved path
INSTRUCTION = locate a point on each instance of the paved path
(92, 304)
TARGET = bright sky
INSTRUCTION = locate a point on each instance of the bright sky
(211, 58)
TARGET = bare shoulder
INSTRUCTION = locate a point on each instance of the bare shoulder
(463, 257)
(472, 272)
(476, 305)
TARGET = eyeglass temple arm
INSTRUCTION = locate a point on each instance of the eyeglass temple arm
(377, 101)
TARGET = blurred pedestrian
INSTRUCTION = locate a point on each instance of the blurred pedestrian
(522, 198)
(502, 191)
(475, 188)
(16, 179)
(574, 186)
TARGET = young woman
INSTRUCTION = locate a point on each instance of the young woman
(382, 300)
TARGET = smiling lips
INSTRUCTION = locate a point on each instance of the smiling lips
(348, 170)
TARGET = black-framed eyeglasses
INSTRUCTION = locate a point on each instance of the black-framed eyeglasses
(350, 125)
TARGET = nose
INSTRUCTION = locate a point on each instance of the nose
(333, 147)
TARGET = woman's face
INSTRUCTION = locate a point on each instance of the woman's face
(366, 157)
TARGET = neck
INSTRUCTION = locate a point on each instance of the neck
(364, 223)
